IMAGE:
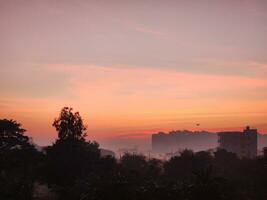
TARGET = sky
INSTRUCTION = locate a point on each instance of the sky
(132, 68)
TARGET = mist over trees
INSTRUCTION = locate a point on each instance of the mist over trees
(72, 168)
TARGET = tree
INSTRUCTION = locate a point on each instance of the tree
(12, 135)
(70, 125)
(71, 158)
(134, 162)
(180, 167)
(18, 160)
(13, 142)
(265, 152)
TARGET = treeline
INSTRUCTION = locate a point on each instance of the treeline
(73, 169)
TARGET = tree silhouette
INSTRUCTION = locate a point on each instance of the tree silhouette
(70, 125)
(265, 152)
(71, 157)
(12, 135)
(73, 168)
(18, 160)
(180, 167)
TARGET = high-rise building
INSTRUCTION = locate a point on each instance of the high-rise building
(244, 144)
(178, 140)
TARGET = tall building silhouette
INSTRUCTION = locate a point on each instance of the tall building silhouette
(244, 144)
(183, 139)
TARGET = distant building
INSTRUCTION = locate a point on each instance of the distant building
(174, 141)
(244, 144)
(106, 152)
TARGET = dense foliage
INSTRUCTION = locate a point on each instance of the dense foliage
(72, 169)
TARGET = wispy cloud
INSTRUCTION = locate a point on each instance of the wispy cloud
(149, 31)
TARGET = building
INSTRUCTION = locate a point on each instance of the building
(106, 152)
(244, 144)
(174, 141)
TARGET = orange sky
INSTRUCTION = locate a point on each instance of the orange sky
(117, 100)
(134, 68)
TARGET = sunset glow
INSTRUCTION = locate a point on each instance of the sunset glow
(131, 71)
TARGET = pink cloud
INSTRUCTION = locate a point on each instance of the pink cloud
(115, 77)
(117, 100)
